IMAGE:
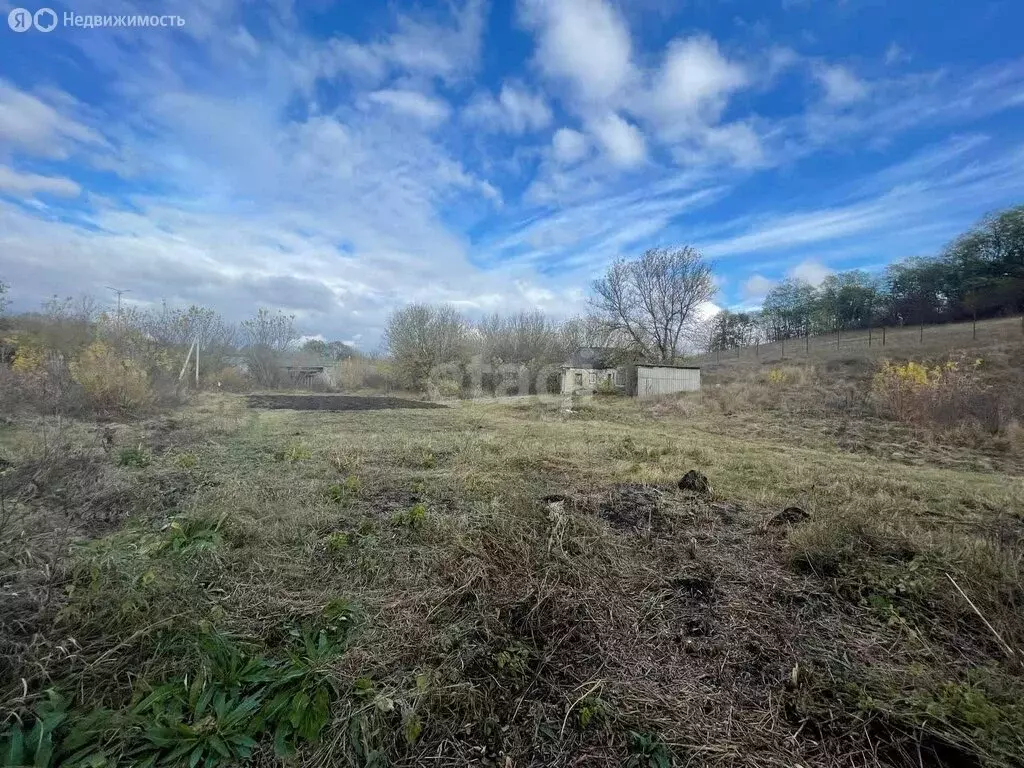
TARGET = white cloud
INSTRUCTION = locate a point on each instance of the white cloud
(328, 206)
(414, 104)
(621, 140)
(757, 287)
(569, 146)
(706, 310)
(516, 110)
(585, 42)
(894, 54)
(735, 143)
(27, 184)
(810, 271)
(841, 86)
(695, 77)
(780, 58)
(431, 48)
(688, 95)
(37, 127)
(525, 110)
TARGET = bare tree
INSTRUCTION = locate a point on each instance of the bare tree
(420, 337)
(518, 348)
(86, 308)
(182, 327)
(651, 303)
(273, 330)
(524, 337)
(580, 332)
(267, 336)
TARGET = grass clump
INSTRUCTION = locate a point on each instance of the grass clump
(187, 461)
(344, 492)
(630, 449)
(134, 457)
(293, 453)
(413, 518)
(338, 542)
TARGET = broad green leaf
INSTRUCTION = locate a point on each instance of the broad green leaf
(218, 744)
(15, 752)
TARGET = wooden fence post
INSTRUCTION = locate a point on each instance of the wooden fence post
(869, 336)
(883, 335)
(783, 347)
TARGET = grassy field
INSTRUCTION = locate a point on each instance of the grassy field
(517, 584)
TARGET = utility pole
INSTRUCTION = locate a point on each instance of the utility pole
(119, 292)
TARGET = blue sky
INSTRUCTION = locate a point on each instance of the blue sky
(336, 160)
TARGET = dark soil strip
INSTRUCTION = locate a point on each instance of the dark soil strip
(335, 403)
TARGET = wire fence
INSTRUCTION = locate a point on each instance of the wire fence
(895, 340)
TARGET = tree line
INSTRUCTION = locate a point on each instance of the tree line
(260, 345)
(645, 308)
(979, 275)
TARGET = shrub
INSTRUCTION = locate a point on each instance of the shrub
(942, 394)
(444, 387)
(29, 353)
(785, 375)
(355, 373)
(231, 379)
(606, 387)
(111, 381)
(46, 388)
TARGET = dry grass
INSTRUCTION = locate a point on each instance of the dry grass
(528, 587)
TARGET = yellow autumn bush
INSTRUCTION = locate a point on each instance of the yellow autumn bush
(29, 355)
(786, 375)
(940, 393)
(110, 380)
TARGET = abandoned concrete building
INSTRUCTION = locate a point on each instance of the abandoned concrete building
(597, 369)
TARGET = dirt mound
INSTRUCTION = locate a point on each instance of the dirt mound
(695, 481)
(335, 403)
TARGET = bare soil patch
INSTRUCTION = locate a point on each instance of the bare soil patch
(335, 403)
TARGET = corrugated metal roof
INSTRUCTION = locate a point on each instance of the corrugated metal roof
(668, 365)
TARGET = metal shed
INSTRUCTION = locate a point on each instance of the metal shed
(655, 380)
